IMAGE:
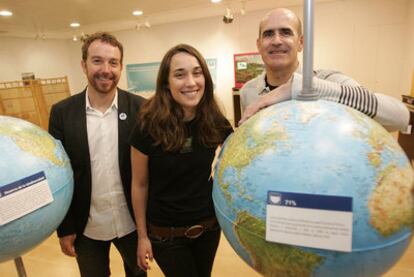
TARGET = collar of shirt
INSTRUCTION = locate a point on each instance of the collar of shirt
(89, 106)
(265, 87)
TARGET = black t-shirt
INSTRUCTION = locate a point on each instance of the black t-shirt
(180, 183)
(269, 87)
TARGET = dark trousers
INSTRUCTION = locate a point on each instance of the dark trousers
(93, 256)
(184, 257)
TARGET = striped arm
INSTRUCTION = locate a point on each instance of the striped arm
(360, 99)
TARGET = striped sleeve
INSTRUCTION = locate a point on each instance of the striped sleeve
(360, 99)
(388, 111)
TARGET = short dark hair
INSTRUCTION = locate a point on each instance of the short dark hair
(104, 37)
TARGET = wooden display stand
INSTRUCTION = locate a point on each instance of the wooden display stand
(32, 100)
(236, 106)
(406, 140)
(21, 271)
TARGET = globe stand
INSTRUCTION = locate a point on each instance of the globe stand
(20, 267)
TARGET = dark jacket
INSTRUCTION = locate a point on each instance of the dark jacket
(68, 124)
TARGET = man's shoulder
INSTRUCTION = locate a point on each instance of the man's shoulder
(336, 77)
(131, 96)
(252, 84)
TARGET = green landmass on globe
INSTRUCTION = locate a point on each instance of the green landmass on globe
(391, 202)
(273, 259)
(33, 141)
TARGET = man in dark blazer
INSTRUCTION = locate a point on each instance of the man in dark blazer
(94, 127)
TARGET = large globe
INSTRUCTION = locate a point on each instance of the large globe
(315, 148)
(28, 154)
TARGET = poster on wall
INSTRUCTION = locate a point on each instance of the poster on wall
(142, 78)
(212, 67)
(246, 67)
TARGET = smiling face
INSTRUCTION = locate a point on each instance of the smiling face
(102, 67)
(280, 40)
(186, 82)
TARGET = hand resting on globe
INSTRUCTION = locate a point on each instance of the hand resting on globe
(388, 111)
(279, 94)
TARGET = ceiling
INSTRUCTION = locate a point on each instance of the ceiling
(51, 18)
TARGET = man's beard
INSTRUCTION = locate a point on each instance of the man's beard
(103, 88)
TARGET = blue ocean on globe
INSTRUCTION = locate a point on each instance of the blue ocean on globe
(320, 148)
(27, 150)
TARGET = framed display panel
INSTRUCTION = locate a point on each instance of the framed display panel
(246, 67)
(142, 77)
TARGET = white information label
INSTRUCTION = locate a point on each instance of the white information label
(23, 197)
(309, 220)
(241, 65)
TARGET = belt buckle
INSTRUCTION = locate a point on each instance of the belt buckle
(198, 229)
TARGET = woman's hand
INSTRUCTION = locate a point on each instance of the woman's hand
(144, 253)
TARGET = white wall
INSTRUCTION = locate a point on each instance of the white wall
(370, 40)
(366, 39)
(45, 58)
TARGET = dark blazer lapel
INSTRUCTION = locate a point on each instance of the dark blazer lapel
(123, 125)
(127, 114)
(81, 128)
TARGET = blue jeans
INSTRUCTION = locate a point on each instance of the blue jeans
(184, 257)
(93, 256)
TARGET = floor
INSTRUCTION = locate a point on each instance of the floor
(46, 260)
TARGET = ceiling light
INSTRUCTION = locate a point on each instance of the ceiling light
(215, 1)
(137, 13)
(5, 13)
(75, 38)
(74, 24)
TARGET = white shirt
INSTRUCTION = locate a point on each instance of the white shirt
(109, 216)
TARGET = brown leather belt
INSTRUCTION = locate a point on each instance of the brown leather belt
(190, 232)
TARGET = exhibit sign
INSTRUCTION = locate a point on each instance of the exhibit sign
(23, 197)
(246, 67)
(142, 78)
(309, 220)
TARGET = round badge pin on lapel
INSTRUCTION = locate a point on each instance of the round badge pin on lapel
(122, 116)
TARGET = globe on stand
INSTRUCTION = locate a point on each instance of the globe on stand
(36, 186)
(315, 150)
